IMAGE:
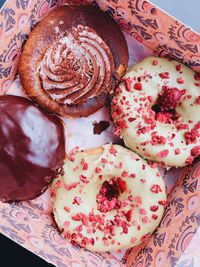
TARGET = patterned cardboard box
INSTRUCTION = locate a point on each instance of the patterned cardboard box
(149, 30)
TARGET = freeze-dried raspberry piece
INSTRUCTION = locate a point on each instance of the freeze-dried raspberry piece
(157, 139)
(128, 215)
(138, 86)
(198, 100)
(164, 75)
(163, 154)
(164, 117)
(107, 197)
(156, 188)
(169, 99)
(191, 136)
(195, 151)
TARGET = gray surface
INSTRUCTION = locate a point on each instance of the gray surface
(188, 11)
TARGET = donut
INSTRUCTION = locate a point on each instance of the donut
(32, 149)
(108, 199)
(156, 111)
(72, 60)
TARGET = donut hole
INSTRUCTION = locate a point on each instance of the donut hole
(165, 106)
(107, 198)
(111, 190)
(164, 116)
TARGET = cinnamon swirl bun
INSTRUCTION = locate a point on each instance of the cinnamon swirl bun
(72, 60)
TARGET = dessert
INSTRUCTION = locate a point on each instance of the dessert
(32, 148)
(73, 58)
(108, 198)
(156, 111)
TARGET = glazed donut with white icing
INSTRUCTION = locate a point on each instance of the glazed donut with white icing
(156, 111)
(108, 199)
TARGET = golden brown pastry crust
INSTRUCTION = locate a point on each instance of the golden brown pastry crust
(47, 33)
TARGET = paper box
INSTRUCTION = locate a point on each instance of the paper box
(149, 30)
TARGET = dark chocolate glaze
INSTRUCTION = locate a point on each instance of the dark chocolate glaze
(100, 127)
(32, 148)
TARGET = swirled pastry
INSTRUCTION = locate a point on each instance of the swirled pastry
(72, 60)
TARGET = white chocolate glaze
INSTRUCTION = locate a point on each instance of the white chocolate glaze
(141, 201)
(134, 118)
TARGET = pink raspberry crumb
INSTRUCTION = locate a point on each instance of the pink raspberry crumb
(169, 99)
(163, 154)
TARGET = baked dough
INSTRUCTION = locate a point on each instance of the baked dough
(108, 198)
(158, 137)
(72, 60)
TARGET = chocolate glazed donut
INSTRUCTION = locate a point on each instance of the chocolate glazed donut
(32, 149)
(72, 60)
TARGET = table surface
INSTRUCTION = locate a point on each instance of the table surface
(185, 10)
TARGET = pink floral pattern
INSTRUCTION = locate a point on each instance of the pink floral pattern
(164, 35)
(30, 224)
